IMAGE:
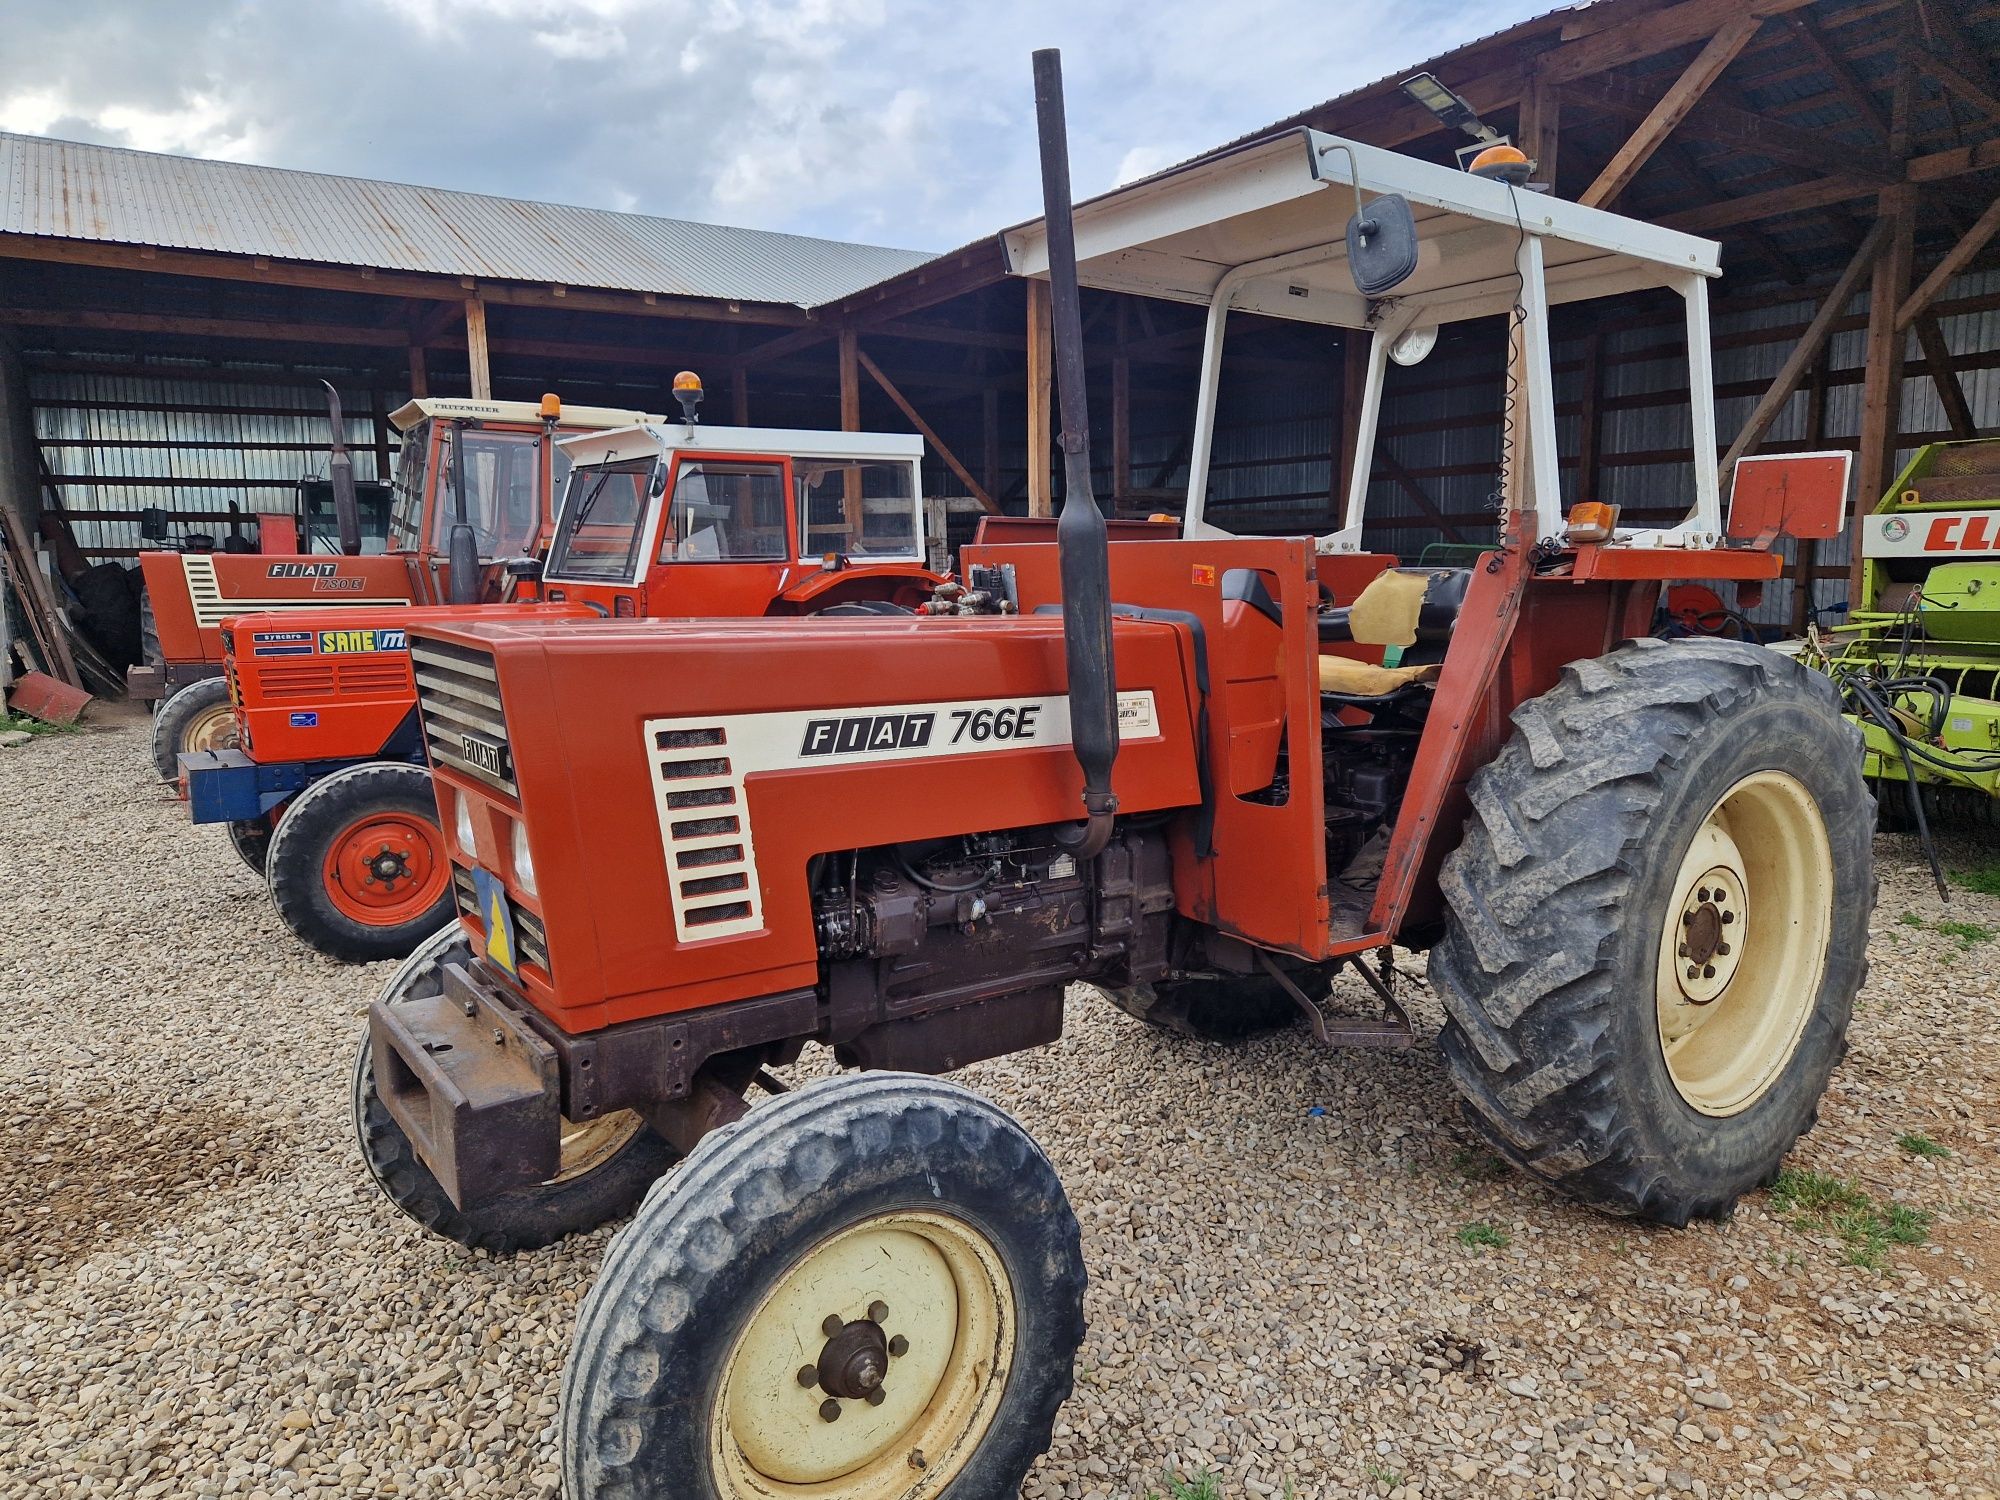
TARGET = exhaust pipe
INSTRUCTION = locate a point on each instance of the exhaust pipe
(1080, 533)
(464, 552)
(340, 474)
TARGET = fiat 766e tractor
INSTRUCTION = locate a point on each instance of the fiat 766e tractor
(1642, 868)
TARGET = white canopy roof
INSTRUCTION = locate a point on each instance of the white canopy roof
(665, 436)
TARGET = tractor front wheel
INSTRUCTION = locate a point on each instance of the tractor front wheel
(1657, 925)
(869, 1288)
(198, 717)
(358, 866)
(606, 1164)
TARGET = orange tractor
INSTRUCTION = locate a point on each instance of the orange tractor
(324, 789)
(1181, 774)
(514, 472)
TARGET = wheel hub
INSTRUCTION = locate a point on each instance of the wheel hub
(1712, 935)
(855, 1360)
(389, 866)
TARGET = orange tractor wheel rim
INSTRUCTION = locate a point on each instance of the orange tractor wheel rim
(385, 869)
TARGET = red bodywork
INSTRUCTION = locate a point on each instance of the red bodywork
(579, 697)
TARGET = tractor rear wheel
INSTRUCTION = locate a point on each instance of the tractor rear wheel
(868, 1288)
(358, 866)
(198, 717)
(1209, 1008)
(251, 839)
(1657, 924)
(607, 1164)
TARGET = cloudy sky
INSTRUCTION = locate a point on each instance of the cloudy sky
(900, 122)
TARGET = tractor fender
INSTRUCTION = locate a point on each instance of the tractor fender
(891, 581)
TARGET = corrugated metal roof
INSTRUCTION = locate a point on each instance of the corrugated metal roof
(73, 191)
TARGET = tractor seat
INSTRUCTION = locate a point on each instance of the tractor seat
(1401, 607)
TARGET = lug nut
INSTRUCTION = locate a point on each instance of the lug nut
(1708, 971)
(808, 1376)
(1684, 950)
(1691, 971)
(829, 1411)
(831, 1324)
(899, 1346)
(877, 1396)
(878, 1312)
(1687, 919)
(1729, 916)
(1723, 949)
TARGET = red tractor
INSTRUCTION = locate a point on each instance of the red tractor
(514, 471)
(324, 789)
(1180, 775)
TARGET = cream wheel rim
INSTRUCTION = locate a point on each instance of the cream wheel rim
(871, 1370)
(588, 1146)
(213, 728)
(1743, 947)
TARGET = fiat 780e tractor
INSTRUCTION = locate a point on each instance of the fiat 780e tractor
(513, 476)
(696, 846)
(326, 792)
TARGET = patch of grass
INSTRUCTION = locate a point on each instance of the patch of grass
(1985, 879)
(1477, 1166)
(9, 722)
(1911, 919)
(1918, 1144)
(1967, 933)
(1381, 1474)
(1482, 1236)
(1202, 1487)
(1817, 1203)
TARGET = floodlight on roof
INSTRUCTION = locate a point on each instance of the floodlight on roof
(1452, 112)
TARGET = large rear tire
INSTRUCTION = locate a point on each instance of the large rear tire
(198, 717)
(1657, 924)
(607, 1165)
(358, 866)
(869, 1288)
(251, 839)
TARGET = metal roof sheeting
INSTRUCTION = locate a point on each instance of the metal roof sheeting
(69, 190)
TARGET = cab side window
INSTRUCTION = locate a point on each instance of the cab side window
(726, 512)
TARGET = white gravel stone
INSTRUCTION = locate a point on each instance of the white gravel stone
(201, 1293)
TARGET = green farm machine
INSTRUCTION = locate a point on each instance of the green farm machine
(1918, 657)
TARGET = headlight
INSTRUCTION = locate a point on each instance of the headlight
(524, 864)
(462, 826)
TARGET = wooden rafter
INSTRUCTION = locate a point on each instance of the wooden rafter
(973, 487)
(1407, 483)
(1955, 260)
(1960, 83)
(1951, 395)
(1846, 81)
(1671, 109)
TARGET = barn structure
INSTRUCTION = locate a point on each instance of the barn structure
(164, 322)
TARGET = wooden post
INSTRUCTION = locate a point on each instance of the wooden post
(1882, 374)
(378, 412)
(420, 380)
(1541, 117)
(1121, 419)
(850, 421)
(479, 371)
(1673, 107)
(1805, 551)
(739, 396)
(1041, 377)
(1955, 260)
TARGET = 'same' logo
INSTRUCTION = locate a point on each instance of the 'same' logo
(488, 755)
(859, 733)
(338, 642)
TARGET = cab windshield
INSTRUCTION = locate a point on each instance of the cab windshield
(857, 507)
(600, 530)
(500, 491)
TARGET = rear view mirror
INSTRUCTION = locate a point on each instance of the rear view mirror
(1382, 245)
(153, 523)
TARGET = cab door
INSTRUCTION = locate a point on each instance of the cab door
(727, 541)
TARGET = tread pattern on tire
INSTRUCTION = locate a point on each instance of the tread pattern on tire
(769, 1165)
(1560, 819)
(513, 1223)
(172, 720)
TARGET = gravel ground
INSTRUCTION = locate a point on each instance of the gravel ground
(203, 1295)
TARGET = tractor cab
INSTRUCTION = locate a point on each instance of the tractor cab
(671, 519)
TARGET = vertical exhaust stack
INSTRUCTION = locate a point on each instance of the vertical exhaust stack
(464, 552)
(1080, 533)
(340, 474)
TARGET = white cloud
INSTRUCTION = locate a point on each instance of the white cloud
(903, 121)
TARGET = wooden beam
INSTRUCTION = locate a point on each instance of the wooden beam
(850, 421)
(1541, 125)
(341, 334)
(1806, 350)
(1773, 203)
(479, 369)
(1041, 376)
(1959, 83)
(1406, 482)
(1955, 260)
(1951, 395)
(1949, 38)
(1846, 81)
(1882, 377)
(1939, 166)
(1672, 108)
(739, 396)
(420, 379)
(1652, 33)
(973, 487)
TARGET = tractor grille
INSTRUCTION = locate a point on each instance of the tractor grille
(530, 936)
(465, 728)
(711, 863)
